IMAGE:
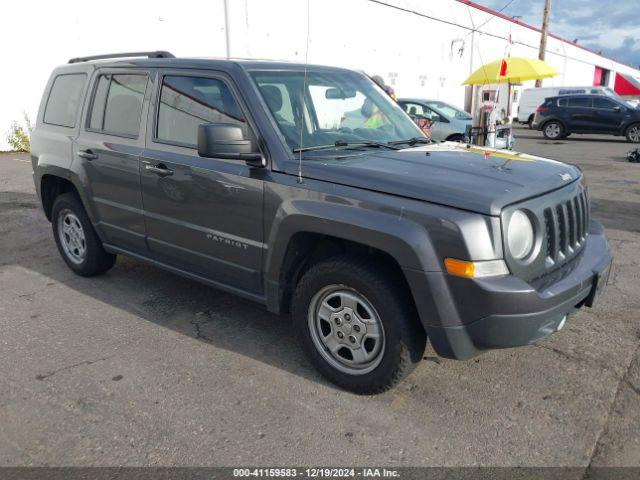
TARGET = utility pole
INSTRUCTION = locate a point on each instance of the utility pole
(543, 36)
(226, 27)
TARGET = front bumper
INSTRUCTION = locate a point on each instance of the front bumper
(506, 311)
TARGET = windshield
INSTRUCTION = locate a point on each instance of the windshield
(337, 107)
(449, 111)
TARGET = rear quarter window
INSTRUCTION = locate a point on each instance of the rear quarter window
(64, 100)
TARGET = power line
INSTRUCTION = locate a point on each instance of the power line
(472, 29)
(494, 16)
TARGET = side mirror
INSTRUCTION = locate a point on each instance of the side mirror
(617, 108)
(227, 141)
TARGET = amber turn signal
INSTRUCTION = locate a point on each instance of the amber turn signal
(460, 268)
(467, 269)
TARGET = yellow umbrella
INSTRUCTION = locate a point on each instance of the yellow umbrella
(511, 70)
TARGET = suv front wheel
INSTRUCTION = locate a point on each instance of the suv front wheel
(357, 326)
(633, 133)
(76, 239)
(553, 130)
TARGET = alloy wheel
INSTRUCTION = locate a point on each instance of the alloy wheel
(553, 130)
(72, 236)
(346, 329)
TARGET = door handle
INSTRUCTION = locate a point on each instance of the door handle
(87, 154)
(160, 170)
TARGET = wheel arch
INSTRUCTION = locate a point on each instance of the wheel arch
(53, 181)
(52, 186)
(628, 125)
(557, 120)
(309, 232)
(451, 137)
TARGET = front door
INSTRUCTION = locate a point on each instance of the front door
(608, 115)
(202, 215)
(108, 150)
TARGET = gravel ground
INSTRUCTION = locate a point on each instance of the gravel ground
(142, 367)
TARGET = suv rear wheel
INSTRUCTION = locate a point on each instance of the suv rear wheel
(553, 130)
(633, 133)
(76, 239)
(357, 326)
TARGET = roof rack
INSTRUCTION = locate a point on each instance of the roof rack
(156, 54)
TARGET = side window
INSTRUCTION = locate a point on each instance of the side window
(64, 100)
(187, 102)
(604, 103)
(580, 102)
(413, 109)
(435, 117)
(117, 104)
(562, 102)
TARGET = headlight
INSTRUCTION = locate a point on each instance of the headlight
(520, 236)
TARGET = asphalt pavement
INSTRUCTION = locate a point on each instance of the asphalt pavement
(142, 367)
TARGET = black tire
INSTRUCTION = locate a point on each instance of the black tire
(95, 260)
(553, 130)
(530, 122)
(404, 337)
(632, 133)
(456, 138)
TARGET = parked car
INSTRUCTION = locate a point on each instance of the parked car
(449, 123)
(232, 174)
(559, 117)
(532, 98)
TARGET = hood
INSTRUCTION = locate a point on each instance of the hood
(481, 180)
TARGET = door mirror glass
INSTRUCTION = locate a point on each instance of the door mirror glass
(227, 141)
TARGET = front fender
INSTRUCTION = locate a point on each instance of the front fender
(403, 239)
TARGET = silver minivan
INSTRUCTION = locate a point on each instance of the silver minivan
(449, 123)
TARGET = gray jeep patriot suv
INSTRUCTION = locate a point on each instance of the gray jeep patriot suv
(308, 190)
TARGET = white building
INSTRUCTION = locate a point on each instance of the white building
(421, 47)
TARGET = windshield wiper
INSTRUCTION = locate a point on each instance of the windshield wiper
(343, 143)
(412, 141)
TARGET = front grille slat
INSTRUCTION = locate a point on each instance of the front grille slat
(585, 214)
(573, 224)
(551, 224)
(580, 217)
(563, 230)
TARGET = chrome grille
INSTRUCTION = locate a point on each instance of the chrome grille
(566, 227)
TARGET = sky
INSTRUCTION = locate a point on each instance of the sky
(610, 26)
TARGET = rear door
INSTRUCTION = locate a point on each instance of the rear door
(202, 215)
(108, 152)
(579, 113)
(608, 115)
